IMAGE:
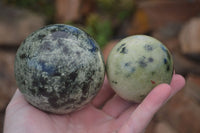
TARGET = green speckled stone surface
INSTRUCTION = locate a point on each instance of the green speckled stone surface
(59, 68)
(136, 65)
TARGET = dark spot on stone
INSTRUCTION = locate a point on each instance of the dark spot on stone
(60, 43)
(92, 43)
(85, 88)
(56, 74)
(48, 68)
(129, 68)
(33, 91)
(43, 80)
(66, 50)
(59, 34)
(127, 64)
(64, 79)
(78, 53)
(22, 56)
(73, 75)
(168, 68)
(83, 98)
(163, 48)
(165, 61)
(63, 91)
(39, 82)
(124, 50)
(114, 82)
(70, 101)
(74, 64)
(40, 37)
(148, 47)
(128, 75)
(23, 82)
(46, 46)
(61, 26)
(90, 74)
(166, 51)
(68, 107)
(120, 46)
(98, 86)
(142, 63)
(150, 59)
(75, 31)
(35, 82)
(42, 91)
(167, 65)
(53, 30)
(132, 69)
(53, 101)
(123, 44)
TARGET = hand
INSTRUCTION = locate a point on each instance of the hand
(107, 113)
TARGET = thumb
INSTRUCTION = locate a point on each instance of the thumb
(141, 117)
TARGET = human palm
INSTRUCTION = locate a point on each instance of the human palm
(107, 113)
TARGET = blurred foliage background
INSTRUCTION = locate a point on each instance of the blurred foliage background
(45, 7)
(102, 22)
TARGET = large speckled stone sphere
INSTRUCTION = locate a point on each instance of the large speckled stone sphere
(136, 65)
(59, 68)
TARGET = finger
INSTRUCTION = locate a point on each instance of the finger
(145, 111)
(124, 116)
(177, 84)
(104, 94)
(17, 103)
(115, 106)
(17, 99)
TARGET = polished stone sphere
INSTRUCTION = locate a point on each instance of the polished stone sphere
(136, 65)
(59, 68)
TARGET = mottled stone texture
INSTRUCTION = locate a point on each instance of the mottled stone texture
(59, 68)
(136, 65)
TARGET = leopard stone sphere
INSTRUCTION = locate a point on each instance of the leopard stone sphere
(136, 65)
